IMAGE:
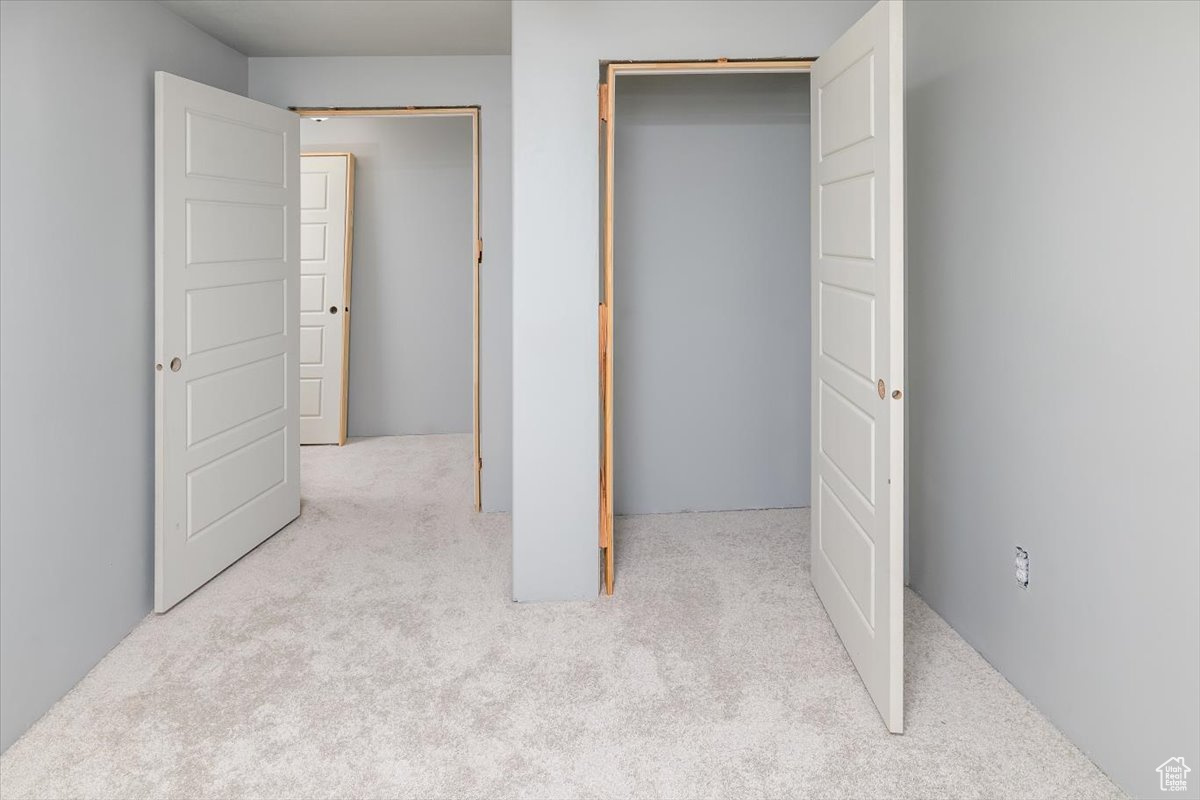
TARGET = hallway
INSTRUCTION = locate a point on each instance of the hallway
(371, 648)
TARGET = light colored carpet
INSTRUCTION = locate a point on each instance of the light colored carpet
(371, 650)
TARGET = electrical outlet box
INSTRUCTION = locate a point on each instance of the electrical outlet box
(1021, 562)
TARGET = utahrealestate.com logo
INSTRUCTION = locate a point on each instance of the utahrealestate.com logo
(1172, 775)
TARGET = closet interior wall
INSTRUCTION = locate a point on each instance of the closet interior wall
(712, 324)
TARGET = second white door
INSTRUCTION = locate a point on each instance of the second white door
(326, 234)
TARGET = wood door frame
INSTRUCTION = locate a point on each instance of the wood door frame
(607, 93)
(348, 254)
(473, 112)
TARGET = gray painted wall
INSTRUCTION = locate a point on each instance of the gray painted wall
(557, 49)
(711, 286)
(1054, 358)
(410, 326)
(77, 330)
(425, 81)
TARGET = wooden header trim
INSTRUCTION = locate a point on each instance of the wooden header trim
(715, 65)
(407, 111)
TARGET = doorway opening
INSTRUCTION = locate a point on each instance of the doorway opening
(405, 371)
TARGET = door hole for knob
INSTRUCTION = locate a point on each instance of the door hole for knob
(333, 309)
(176, 364)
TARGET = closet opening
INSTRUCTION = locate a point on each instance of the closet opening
(705, 315)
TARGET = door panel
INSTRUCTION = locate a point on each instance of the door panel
(220, 232)
(232, 397)
(858, 348)
(227, 463)
(325, 230)
(223, 316)
(219, 147)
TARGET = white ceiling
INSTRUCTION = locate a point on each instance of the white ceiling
(354, 27)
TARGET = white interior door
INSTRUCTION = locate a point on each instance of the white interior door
(858, 349)
(325, 192)
(227, 308)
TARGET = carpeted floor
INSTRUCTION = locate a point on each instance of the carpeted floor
(371, 650)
